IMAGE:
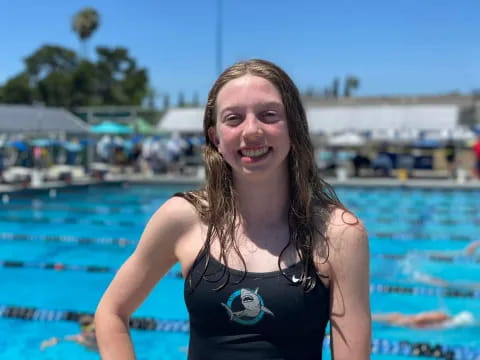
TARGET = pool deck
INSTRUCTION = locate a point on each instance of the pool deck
(425, 183)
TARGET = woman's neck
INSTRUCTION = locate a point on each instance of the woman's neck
(263, 202)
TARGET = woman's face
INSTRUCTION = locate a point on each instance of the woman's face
(251, 131)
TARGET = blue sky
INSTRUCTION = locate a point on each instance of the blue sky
(394, 47)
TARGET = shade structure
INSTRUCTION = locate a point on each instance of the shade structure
(28, 119)
(19, 145)
(346, 139)
(43, 142)
(110, 127)
(189, 120)
(141, 126)
(335, 119)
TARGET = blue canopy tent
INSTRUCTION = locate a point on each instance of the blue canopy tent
(427, 144)
(18, 144)
(111, 128)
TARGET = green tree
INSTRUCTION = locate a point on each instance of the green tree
(85, 85)
(120, 81)
(55, 76)
(335, 87)
(84, 24)
(17, 90)
(48, 59)
(351, 83)
(50, 70)
(166, 101)
(181, 100)
(195, 100)
(151, 95)
(56, 89)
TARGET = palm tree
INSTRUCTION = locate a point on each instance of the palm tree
(351, 83)
(84, 23)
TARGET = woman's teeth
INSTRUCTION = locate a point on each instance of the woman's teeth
(254, 153)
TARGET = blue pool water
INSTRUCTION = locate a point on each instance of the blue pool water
(408, 225)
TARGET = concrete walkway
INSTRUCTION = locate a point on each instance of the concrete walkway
(434, 183)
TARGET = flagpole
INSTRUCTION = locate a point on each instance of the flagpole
(219, 38)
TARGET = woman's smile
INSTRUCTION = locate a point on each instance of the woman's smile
(250, 155)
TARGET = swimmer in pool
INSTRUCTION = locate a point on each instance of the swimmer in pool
(467, 253)
(426, 320)
(471, 248)
(87, 336)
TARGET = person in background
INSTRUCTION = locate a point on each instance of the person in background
(464, 254)
(476, 152)
(450, 157)
(382, 164)
(360, 161)
(86, 337)
(426, 320)
(471, 248)
(2, 164)
(268, 252)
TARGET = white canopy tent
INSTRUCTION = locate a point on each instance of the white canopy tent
(331, 120)
(347, 139)
(459, 133)
(25, 119)
(188, 120)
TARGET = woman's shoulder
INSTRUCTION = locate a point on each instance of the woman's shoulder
(176, 215)
(342, 218)
(345, 232)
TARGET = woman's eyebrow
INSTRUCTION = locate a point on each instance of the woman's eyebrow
(232, 108)
(259, 105)
(270, 104)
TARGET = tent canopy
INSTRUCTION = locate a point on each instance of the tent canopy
(182, 121)
(347, 139)
(110, 127)
(141, 126)
(38, 119)
(367, 118)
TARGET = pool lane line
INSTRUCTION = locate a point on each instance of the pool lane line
(420, 235)
(374, 287)
(448, 259)
(140, 323)
(421, 218)
(58, 266)
(378, 346)
(72, 209)
(425, 291)
(413, 224)
(8, 236)
(70, 220)
(66, 239)
(44, 264)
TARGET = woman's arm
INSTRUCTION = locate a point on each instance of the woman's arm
(153, 257)
(55, 340)
(472, 247)
(350, 317)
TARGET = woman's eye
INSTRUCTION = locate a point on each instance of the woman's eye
(232, 119)
(270, 115)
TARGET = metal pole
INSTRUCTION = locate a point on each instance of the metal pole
(219, 37)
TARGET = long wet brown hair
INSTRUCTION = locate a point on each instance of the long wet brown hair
(311, 199)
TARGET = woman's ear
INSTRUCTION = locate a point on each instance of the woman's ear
(212, 135)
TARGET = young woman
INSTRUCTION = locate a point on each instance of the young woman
(268, 252)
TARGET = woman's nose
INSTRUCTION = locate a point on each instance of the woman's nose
(252, 126)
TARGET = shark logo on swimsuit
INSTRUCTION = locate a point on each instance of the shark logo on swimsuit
(253, 308)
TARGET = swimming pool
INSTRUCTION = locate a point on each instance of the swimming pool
(59, 250)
